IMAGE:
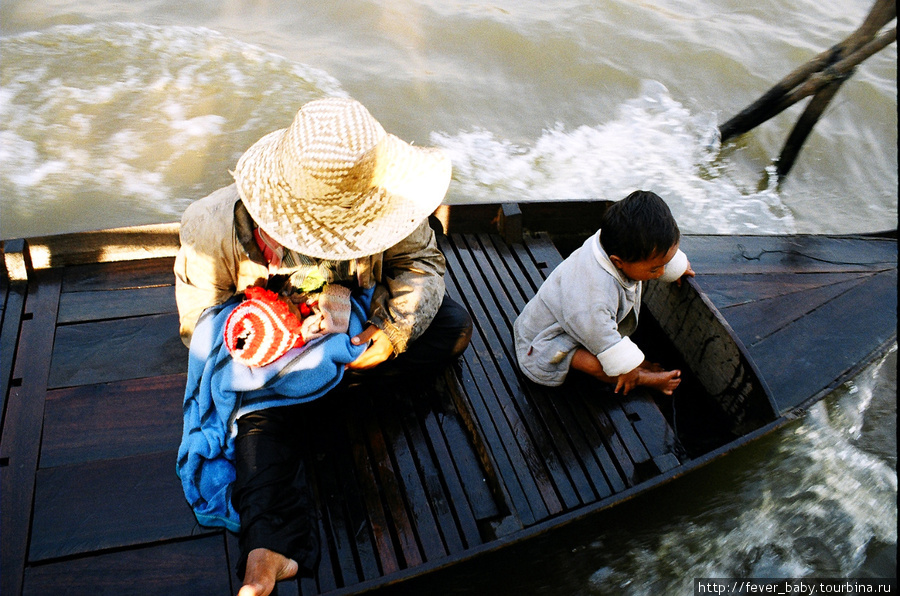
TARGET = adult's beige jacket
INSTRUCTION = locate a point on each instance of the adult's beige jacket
(218, 259)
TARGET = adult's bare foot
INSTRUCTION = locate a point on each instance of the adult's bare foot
(264, 568)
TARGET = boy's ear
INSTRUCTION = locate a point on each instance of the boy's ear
(616, 261)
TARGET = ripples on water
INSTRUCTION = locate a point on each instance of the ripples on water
(651, 141)
(112, 124)
(838, 509)
(160, 115)
(151, 119)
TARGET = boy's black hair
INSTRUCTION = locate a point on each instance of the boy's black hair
(638, 227)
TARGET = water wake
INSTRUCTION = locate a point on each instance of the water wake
(653, 142)
(840, 500)
(135, 118)
(151, 118)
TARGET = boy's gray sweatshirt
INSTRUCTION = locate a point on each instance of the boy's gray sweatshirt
(584, 302)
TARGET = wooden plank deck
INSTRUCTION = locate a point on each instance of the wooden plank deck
(403, 476)
(842, 293)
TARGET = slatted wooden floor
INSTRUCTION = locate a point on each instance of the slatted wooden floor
(404, 476)
(809, 309)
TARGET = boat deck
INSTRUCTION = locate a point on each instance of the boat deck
(407, 478)
(810, 310)
(404, 476)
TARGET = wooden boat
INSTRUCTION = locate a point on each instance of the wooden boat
(412, 483)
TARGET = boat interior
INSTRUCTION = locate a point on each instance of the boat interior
(409, 478)
(406, 476)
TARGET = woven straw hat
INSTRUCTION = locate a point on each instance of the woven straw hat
(334, 185)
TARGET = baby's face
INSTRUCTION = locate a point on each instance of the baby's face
(648, 269)
(292, 306)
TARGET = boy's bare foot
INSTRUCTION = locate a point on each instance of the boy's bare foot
(663, 381)
(264, 568)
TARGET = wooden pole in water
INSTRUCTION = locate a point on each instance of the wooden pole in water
(821, 77)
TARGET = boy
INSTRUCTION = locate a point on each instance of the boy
(583, 313)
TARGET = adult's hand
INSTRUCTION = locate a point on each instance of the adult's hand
(379, 350)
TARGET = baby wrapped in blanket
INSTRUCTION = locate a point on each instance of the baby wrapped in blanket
(251, 354)
(266, 325)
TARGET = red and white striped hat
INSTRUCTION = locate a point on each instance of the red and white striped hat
(261, 328)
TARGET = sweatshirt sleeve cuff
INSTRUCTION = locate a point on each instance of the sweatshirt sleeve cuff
(675, 268)
(623, 357)
(399, 340)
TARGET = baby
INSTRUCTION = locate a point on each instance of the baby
(583, 314)
(265, 325)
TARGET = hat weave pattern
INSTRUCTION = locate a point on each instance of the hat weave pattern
(335, 185)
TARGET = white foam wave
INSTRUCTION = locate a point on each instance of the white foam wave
(652, 142)
(839, 499)
(153, 122)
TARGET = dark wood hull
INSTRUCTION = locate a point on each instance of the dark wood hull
(412, 479)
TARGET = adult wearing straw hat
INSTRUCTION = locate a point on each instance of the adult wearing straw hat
(334, 196)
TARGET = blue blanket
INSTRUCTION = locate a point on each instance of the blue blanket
(220, 390)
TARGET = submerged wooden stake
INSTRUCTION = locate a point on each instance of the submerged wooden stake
(821, 78)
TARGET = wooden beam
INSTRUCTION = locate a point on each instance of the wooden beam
(821, 78)
(826, 85)
(812, 76)
(20, 445)
(119, 244)
(15, 287)
(510, 223)
(189, 567)
(105, 504)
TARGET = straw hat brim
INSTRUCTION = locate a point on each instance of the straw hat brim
(402, 186)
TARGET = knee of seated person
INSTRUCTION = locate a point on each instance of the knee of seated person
(456, 326)
(465, 336)
(454, 314)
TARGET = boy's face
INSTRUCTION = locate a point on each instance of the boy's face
(645, 270)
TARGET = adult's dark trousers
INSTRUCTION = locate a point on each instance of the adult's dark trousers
(271, 491)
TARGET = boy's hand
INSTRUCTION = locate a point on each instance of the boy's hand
(379, 350)
(627, 381)
(687, 273)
